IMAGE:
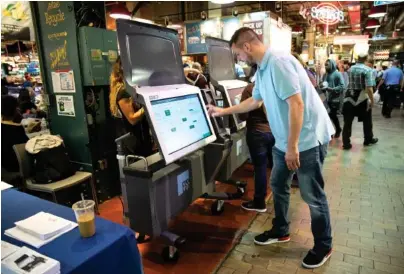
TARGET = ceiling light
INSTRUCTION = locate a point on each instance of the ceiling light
(222, 2)
(372, 24)
(378, 11)
(343, 33)
(119, 11)
(337, 30)
(143, 20)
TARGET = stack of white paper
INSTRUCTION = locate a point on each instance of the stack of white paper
(40, 229)
(25, 260)
(7, 249)
(4, 186)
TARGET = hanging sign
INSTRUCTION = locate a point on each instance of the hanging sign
(257, 26)
(16, 21)
(327, 13)
(194, 39)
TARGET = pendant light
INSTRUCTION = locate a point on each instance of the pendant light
(372, 24)
(119, 11)
(377, 12)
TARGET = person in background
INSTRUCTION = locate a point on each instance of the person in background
(12, 133)
(394, 84)
(129, 116)
(195, 76)
(239, 70)
(335, 87)
(4, 89)
(302, 131)
(28, 81)
(25, 102)
(359, 102)
(347, 66)
(260, 142)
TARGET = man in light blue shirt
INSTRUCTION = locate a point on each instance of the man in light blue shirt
(394, 82)
(302, 130)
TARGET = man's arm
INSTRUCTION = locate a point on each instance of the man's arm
(369, 87)
(380, 84)
(245, 106)
(296, 109)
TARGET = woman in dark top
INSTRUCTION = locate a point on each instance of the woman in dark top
(129, 116)
(12, 133)
(260, 142)
(25, 103)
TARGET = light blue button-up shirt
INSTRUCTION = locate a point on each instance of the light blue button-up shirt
(279, 77)
(393, 76)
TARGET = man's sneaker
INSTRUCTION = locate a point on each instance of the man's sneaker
(371, 142)
(255, 206)
(270, 237)
(313, 260)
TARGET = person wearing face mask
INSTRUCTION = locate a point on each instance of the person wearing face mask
(302, 131)
(334, 88)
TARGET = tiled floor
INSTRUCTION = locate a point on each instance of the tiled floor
(365, 188)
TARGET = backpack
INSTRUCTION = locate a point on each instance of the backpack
(51, 160)
(52, 165)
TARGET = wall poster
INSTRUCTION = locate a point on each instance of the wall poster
(65, 105)
(63, 82)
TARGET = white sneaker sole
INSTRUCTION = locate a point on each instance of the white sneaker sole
(317, 265)
(273, 241)
(255, 209)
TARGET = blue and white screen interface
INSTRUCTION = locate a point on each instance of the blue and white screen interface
(181, 121)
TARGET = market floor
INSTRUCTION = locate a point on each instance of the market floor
(365, 189)
(208, 238)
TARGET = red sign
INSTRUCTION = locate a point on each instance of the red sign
(327, 13)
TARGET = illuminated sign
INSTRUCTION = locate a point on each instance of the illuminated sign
(327, 13)
(381, 3)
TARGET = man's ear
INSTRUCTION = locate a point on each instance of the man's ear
(247, 47)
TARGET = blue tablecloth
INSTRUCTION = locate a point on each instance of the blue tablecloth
(113, 249)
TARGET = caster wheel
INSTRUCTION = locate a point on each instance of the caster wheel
(141, 238)
(217, 207)
(170, 254)
(241, 190)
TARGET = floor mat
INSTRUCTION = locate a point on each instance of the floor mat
(208, 238)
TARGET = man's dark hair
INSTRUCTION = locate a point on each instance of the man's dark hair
(243, 35)
(396, 62)
(370, 60)
(9, 106)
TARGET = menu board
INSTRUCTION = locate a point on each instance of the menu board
(194, 39)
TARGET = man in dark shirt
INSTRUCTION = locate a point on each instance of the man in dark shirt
(260, 142)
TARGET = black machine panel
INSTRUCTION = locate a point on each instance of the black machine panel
(150, 54)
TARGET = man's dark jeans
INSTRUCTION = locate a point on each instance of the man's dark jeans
(311, 185)
(391, 99)
(260, 145)
(367, 127)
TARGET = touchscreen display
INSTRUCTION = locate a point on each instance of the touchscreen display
(180, 121)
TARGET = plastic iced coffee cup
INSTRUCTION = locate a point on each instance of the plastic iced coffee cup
(84, 211)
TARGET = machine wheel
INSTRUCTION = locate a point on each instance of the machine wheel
(141, 238)
(217, 207)
(170, 254)
(241, 190)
